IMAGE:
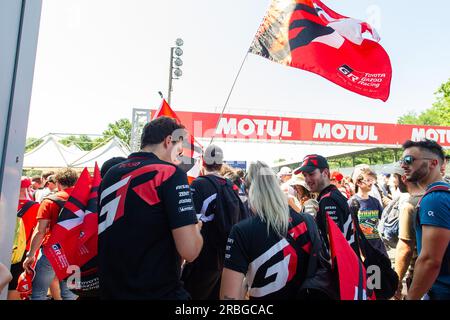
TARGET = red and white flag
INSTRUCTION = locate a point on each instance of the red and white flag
(73, 241)
(192, 150)
(351, 271)
(62, 249)
(306, 34)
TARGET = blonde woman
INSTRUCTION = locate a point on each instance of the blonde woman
(257, 248)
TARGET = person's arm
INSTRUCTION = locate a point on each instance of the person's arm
(292, 204)
(188, 241)
(406, 243)
(180, 211)
(403, 255)
(231, 286)
(36, 240)
(5, 277)
(435, 241)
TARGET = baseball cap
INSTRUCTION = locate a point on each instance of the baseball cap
(51, 179)
(24, 284)
(284, 171)
(213, 155)
(25, 182)
(336, 175)
(312, 162)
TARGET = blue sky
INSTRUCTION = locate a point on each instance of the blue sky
(97, 59)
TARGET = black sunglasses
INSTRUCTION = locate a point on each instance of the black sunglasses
(409, 160)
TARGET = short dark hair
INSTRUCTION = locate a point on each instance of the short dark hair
(157, 130)
(426, 144)
(36, 179)
(108, 164)
(66, 177)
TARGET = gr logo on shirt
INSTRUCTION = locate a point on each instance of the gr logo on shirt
(114, 209)
(283, 270)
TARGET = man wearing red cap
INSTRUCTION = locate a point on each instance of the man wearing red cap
(316, 171)
(27, 210)
(336, 179)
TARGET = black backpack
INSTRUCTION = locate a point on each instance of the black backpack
(229, 207)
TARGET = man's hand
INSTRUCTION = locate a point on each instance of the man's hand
(28, 263)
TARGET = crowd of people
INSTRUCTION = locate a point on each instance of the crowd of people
(235, 234)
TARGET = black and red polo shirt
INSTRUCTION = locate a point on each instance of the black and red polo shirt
(141, 201)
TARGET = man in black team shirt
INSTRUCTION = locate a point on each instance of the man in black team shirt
(219, 207)
(147, 221)
(316, 171)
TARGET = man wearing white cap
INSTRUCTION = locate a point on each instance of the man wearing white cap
(284, 175)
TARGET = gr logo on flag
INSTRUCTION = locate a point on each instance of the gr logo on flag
(306, 34)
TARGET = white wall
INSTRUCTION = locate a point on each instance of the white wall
(19, 28)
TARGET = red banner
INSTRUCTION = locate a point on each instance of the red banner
(269, 128)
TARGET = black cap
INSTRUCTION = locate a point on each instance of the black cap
(312, 162)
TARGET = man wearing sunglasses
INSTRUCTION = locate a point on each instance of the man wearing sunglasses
(422, 162)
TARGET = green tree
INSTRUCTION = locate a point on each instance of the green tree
(32, 143)
(438, 114)
(83, 142)
(120, 129)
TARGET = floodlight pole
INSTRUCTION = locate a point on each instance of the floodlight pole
(169, 93)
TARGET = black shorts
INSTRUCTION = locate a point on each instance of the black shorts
(16, 270)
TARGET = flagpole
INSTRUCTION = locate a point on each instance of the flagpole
(229, 95)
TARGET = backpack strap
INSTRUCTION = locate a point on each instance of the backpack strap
(433, 189)
(59, 201)
(25, 208)
(445, 188)
(213, 182)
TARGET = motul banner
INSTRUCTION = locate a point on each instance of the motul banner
(269, 128)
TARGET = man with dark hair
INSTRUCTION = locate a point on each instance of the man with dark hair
(202, 277)
(316, 171)
(147, 221)
(406, 249)
(422, 162)
(47, 218)
(36, 182)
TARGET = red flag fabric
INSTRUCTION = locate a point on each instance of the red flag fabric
(352, 274)
(306, 34)
(62, 249)
(192, 150)
(165, 110)
(88, 242)
(89, 233)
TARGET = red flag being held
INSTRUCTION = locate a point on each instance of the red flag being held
(88, 242)
(72, 246)
(62, 248)
(306, 34)
(351, 271)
